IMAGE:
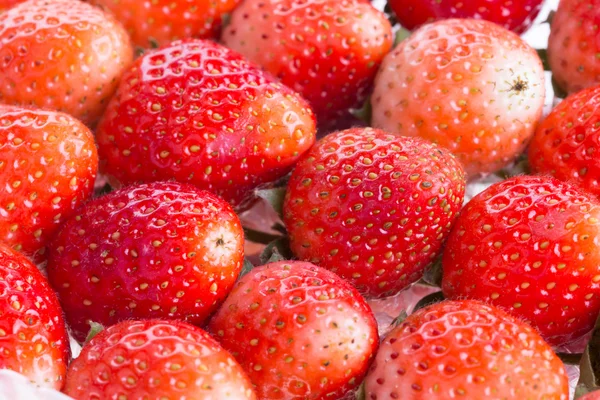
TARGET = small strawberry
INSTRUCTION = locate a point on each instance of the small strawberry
(465, 349)
(198, 112)
(156, 360)
(160, 250)
(470, 86)
(158, 22)
(299, 331)
(514, 15)
(48, 164)
(565, 143)
(573, 46)
(530, 246)
(33, 337)
(373, 207)
(61, 54)
(327, 50)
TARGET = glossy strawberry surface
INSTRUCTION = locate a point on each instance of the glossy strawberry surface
(160, 250)
(299, 331)
(530, 246)
(373, 207)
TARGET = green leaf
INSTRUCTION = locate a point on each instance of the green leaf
(274, 197)
(543, 54)
(103, 190)
(246, 268)
(400, 318)
(430, 299)
(277, 250)
(364, 113)
(570, 358)
(433, 274)
(95, 328)
(589, 378)
(360, 393)
(550, 17)
(259, 237)
(558, 91)
(401, 35)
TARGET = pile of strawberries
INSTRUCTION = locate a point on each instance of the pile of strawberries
(133, 133)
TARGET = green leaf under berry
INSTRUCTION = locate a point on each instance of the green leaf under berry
(248, 266)
(433, 274)
(428, 300)
(277, 250)
(589, 378)
(274, 197)
(95, 328)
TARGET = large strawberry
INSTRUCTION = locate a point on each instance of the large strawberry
(48, 164)
(515, 15)
(156, 359)
(33, 337)
(198, 112)
(6, 4)
(299, 331)
(61, 54)
(465, 349)
(158, 22)
(160, 250)
(471, 86)
(327, 50)
(373, 207)
(566, 143)
(530, 246)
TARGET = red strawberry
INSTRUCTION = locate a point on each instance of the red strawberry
(48, 163)
(465, 349)
(158, 22)
(33, 338)
(159, 360)
(161, 250)
(573, 46)
(198, 112)
(299, 331)
(373, 207)
(468, 85)
(515, 15)
(595, 395)
(6, 4)
(530, 245)
(327, 50)
(61, 54)
(565, 144)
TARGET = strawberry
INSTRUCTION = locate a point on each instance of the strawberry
(299, 331)
(565, 143)
(33, 337)
(198, 112)
(595, 395)
(61, 54)
(465, 349)
(327, 50)
(159, 250)
(159, 360)
(470, 86)
(6, 4)
(530, 246)
(48, 163)
(154, 23)
(373, 207)
(573, 46)
(514, 15)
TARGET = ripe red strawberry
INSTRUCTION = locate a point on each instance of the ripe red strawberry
(573, 46)
(595, 395)
(6, 4)
(373, 207)
(530, 245)
(61, 54)
(198, 112)
(33, 338)
(565, 143)
(299, 331)
(465, 349)
(514, 15)
(327, 50)
(160, 250)
(159, 22)
(159, 360)
(48, 164)
(470, 86)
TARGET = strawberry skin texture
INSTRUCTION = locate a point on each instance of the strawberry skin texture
(33, 337)
(64, 55)
(573, 46)
(156, 359)
(516, 15)
(373, 207)
(48, 165)
(530, 246)
(595, 395)
(160, 250)
(6, 4)
(299, 331)
(327, 50)
(465, 349)
(468, 85)
(198, 112)
(159, 22)
(565, 143)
